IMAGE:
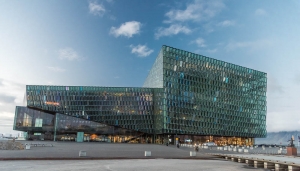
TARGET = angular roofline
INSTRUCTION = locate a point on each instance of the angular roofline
(214, 59)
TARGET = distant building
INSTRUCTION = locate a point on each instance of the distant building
(186, 97)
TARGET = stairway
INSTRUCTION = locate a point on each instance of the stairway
(133, 138)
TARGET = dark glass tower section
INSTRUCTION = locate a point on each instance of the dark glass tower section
(205, 96)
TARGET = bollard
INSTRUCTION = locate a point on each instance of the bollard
(279, 167)
(269, 165)
(240, 160)
(291, 168)
(192, 153)
(147, 153)
(82, 153)
(249, 162)
(27, 146)
(258, 164)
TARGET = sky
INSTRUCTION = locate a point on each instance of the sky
(115, 43)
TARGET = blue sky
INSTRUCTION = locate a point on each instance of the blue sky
(114, 43)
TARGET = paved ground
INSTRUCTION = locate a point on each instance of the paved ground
(163, 157)
(125, 165)
(70, 150)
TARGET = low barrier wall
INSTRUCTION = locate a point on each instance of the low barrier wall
(261, 162)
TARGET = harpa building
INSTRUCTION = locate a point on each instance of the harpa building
(186, 96)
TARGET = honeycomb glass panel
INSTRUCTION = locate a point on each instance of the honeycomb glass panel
(183, 94)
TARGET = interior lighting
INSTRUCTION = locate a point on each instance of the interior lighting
(52, 103)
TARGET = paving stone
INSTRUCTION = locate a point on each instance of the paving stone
(11, 145)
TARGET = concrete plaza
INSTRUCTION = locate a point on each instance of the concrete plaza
(70, 150)
(108, 156)
(125, 165)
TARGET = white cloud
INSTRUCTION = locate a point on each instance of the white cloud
(200, 42)
(209, 27)
(11, 92)
(174, 29)
(196, 11)
(297, 78)
(212, 50)
(68, 54)
(127, 29)
(141, 50)
(274, 86)
(96, 9)
(6, 116)
(226, 23)
(199, 10)
(6, 99)
(251, 45)
(201, 51)
(6, 122)
(260, 12)
(56, 69)
(284, 119)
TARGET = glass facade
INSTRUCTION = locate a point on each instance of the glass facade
(206, 96)
(33, 120)
(130, 108)
(155, 77)
(184, 94)
(54, 126)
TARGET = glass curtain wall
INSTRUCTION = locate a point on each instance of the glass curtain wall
(68, 126)
(211, 97)
(129, 107)
(38, 124)
(41, 125)
(184, 94)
